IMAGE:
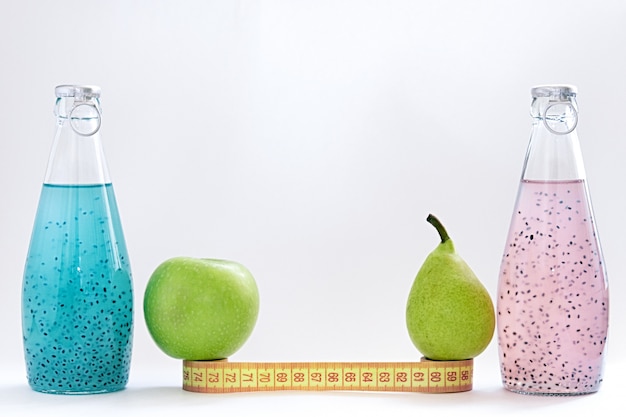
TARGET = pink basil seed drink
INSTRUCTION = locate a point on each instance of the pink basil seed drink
(552, 293)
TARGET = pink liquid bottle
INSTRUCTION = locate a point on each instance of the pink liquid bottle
(553, 301)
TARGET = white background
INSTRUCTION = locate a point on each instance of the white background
(308, 140)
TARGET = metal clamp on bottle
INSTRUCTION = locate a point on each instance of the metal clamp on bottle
(83, 118)
(560, 117)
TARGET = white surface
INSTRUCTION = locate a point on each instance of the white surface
(159, 394)
(309, 140)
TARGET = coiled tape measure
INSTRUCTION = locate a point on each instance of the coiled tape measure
(424, 376)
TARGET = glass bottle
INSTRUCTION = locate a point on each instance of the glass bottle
(553, 291)
(77, 296)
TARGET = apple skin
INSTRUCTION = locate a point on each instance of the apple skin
(200, 309)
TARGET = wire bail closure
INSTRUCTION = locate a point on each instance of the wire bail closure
(560, 117)
(76, 120)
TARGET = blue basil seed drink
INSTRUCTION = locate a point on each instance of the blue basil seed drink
(77, 300)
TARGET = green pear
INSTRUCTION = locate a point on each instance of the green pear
(449, 313)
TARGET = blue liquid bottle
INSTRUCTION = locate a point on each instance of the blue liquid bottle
(77, 295)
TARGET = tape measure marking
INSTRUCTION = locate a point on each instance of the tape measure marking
(425, 376)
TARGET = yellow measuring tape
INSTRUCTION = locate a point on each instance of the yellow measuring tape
(425, 376)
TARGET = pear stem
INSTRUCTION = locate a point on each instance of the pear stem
(440, 229)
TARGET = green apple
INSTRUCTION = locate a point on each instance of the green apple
(200, 309)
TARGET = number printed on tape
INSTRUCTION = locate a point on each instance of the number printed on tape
(424, 376)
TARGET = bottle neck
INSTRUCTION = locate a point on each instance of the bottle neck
(554, 150)
(77, 157)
